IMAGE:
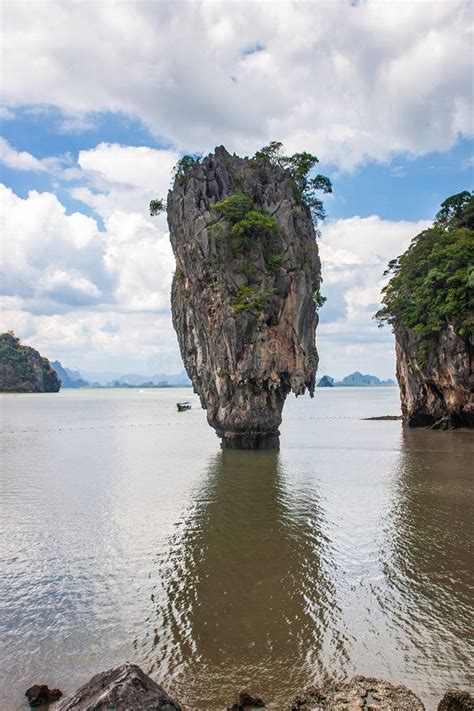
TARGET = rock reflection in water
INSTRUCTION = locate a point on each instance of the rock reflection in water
(429, 584)
(244, 596)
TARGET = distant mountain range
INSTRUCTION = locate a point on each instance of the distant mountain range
(353, 380)
(69, 378)
(81, 379)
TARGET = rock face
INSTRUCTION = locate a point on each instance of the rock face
(123, 688)
(246, 702)
(242, 303)
(359, 693)
(41, 694)
(456, 701)
(436, 391)
(24, 370)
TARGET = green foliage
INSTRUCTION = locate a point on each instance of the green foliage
(247, 299)
(298, 166)
(255, 225)
(248, 224)
(183, 165)
(217, 230)
(156, 207)
(17, 367)
(245, 267)
(234, 208)
(432, 281)
(273, 261)
(319, 299)
(453, 211)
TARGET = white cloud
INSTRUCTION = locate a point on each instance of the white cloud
(94, 297)
(55, 261)
(141, 262)
(68, 288)
(18, 160)
(354, 254)
(89, 297)
(116, 178)
(348, 82)
(6, 114)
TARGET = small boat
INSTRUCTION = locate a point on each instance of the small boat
(182, 406)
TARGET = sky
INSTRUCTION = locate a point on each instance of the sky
(100, 99)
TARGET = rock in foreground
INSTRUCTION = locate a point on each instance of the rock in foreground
(456, 701)
(359, 693)
(246, 702)
(243, 295)
(41, 694)
(124, 688)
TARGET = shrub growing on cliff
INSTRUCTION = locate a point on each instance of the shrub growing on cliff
(183, 165)
(247, 299)
(235, 207)
(247, 222)
(319, 299)
(431, 284)
(299, 167)
(156, 207)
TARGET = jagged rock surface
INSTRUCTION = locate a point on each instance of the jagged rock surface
(124, 688)
(23, 369)
(456, 701)
(359, 693)
(243, 363)
(438, 391)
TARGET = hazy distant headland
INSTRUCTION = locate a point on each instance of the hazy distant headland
(355, 379)
(82, 378)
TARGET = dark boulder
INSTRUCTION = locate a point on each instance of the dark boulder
(456, 701)
(247, 702)
(124, 688)
(41, 694)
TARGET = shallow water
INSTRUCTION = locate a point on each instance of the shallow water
(128, 534)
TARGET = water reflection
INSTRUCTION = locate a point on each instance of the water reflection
(244, 596)
(429, 586)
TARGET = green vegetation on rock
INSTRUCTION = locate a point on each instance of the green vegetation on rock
(432, 282)
(247, 222)
(24, 370)
(183, 165)
(248, 299)
(156, 207)
(299, 167)
(319, 299)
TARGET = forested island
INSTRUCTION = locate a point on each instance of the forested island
(355, 379)
(429, 303)
(23, 369)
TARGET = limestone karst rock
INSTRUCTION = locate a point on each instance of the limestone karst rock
(438, 390)
(23, 369)
(429, 304)
(247, 269)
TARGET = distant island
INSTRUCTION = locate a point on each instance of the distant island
(76, 379)
(69, 378)
(23, 369)
(355, 379)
